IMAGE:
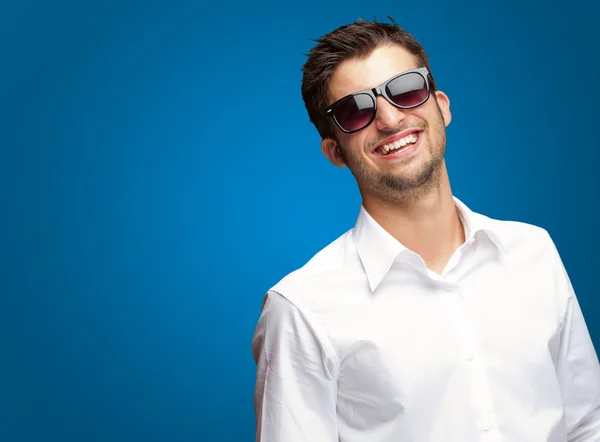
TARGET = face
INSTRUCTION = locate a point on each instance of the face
(401, 173)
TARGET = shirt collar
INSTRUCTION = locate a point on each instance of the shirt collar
(377, 249)
(476, 222)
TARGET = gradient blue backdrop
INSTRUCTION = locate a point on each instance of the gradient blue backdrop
(159, 174)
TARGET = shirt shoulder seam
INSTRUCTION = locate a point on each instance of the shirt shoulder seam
(320, 335)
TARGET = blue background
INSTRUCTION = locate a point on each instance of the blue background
(158, 174)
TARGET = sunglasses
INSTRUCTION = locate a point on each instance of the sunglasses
(356, 111)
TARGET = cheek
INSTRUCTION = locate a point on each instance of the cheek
(441, 114)
(352, 144)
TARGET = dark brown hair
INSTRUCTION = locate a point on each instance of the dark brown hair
(355, 40)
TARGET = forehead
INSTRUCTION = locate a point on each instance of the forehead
(357, 74)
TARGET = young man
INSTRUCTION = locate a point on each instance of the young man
(426, 322)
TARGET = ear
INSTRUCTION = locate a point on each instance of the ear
(444, 105)
(331, 150)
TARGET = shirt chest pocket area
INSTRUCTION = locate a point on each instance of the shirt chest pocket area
(399, 353)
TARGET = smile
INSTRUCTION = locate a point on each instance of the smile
(400, 147)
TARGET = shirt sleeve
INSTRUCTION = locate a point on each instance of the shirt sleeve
(577, 367)
(295, 391)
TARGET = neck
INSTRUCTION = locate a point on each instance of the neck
(429, 225)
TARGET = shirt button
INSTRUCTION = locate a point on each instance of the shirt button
(449, 287)
(470, 357)
(487, 426)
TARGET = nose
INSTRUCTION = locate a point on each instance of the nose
(388, 116)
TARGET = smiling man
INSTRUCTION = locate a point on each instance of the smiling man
(426, 322)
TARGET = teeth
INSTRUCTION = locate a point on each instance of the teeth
(402, 142)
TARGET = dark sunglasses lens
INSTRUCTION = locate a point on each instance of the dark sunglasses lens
(354, 112)
(408, 90)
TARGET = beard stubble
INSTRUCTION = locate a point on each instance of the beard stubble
(401, 188)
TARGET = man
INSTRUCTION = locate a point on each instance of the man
(426, 321)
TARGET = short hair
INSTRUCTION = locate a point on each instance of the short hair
(355, 40)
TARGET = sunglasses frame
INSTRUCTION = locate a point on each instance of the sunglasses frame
(380, 90)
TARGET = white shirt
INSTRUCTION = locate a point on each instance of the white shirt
(365, 344)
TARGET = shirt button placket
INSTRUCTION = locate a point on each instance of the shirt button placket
(467, 331)
(477, 370)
